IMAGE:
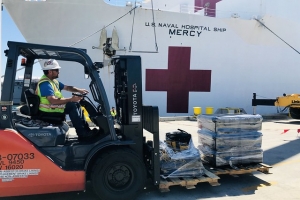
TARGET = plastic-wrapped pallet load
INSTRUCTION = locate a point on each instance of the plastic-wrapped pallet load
(179, 157)
(230, 123)
(221, 141)
(232, 157)
(230, 139)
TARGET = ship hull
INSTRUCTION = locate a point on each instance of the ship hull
(188, 60)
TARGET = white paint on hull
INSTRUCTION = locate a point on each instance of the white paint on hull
(245, 58)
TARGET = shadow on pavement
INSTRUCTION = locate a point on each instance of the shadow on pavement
(282, 152)
(245, 184)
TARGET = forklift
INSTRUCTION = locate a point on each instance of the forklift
(43, 157)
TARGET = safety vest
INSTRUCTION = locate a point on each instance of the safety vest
(113, 113)
(45, 105)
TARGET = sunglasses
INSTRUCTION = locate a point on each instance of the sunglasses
(56, 70)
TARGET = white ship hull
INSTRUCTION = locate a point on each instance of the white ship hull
(201, 61)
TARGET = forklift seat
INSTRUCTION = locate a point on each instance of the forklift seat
(33, 103)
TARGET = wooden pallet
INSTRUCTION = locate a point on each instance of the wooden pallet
(190, 182)
(240, 169)
(211, 176)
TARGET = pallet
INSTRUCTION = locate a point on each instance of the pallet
(189, 182)
(240, 169)
(211, 176)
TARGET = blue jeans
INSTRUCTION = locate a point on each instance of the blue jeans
(73, 109)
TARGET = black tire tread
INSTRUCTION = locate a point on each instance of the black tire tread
(110, 153)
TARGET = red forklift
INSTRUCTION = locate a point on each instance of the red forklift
(38, 155)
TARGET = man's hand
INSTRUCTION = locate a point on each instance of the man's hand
(83, 91)
(75, 98)
(74, 89)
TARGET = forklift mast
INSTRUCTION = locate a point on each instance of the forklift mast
(132, 115)
(128, 97)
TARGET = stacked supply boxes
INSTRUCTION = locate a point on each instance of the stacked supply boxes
(179, 157)
(230, 139)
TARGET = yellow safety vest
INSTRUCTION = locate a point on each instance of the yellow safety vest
(45, 105)
(113, 113)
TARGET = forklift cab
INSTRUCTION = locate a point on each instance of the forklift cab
(30, 54)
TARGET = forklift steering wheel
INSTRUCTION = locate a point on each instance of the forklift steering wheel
(79, 95)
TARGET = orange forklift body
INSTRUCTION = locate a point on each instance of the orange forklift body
(25, 171)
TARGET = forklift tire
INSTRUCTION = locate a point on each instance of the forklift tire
(118, 174)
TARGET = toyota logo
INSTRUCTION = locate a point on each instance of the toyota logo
(31, 135)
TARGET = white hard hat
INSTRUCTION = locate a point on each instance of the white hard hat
(51, 64)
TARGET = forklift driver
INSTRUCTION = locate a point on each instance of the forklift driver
(52, 101)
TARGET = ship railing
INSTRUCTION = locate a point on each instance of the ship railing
(205, 11)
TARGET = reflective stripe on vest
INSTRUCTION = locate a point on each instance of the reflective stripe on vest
(45, 105)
